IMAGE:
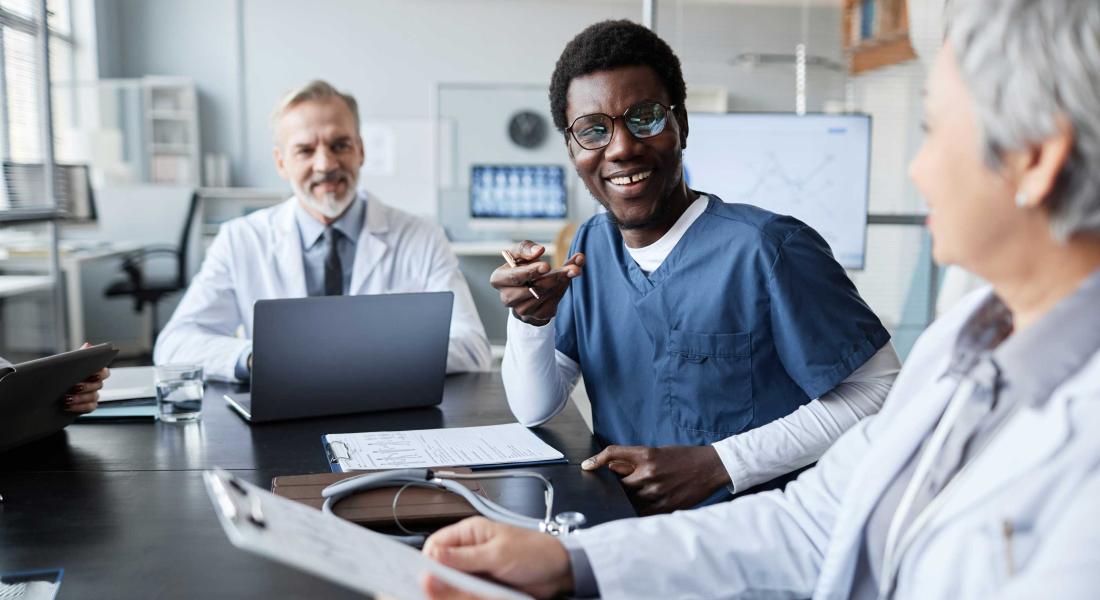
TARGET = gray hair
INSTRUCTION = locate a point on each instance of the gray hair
(314, 90)
(1031, 65)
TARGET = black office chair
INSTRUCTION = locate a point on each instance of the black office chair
(151, 290)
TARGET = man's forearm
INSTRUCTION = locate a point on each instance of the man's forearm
(218, 355)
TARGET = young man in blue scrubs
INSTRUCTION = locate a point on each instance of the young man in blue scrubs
(721, 345)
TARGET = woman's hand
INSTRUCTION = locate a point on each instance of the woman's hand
(533, 562)
(84, 396)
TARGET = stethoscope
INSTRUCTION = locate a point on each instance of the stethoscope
(563, 523)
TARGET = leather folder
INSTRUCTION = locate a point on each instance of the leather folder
(416, 506)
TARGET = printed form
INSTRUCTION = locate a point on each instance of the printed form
(456, 447)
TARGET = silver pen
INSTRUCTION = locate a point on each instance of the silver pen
(511, 260)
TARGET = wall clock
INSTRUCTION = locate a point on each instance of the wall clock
(527, 129)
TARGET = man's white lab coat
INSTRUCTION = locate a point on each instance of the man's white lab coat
(259, 257)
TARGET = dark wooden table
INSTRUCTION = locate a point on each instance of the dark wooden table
(122, 508)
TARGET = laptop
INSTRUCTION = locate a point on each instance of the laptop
(332, 355)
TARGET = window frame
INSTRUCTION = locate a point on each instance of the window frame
(31, 26)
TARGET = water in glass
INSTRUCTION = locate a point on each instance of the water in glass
(179, 399)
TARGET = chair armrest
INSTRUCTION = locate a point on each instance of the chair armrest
(135, 258)
(149, 250)
(133, 262)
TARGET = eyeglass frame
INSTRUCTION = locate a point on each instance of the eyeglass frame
(669, 110)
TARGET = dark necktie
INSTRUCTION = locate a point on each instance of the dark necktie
(334, 271)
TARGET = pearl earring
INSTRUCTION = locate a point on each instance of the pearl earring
(1021, 199)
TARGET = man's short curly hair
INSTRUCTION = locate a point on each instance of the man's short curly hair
(609, 45)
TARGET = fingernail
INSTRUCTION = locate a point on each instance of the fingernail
(80, 387)
(68, 400)
(588, 463)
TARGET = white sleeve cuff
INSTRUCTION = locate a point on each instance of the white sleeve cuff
(520, 329)
(733, 463)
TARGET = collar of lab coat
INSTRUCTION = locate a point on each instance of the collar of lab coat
(1044, 366)
(1027, 440)
(369, 250)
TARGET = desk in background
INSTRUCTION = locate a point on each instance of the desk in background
(15, 285)
(122, 508)
(87, 269)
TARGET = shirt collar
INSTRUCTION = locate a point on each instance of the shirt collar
(1033, 362)
(1044, 355)
(350, 224)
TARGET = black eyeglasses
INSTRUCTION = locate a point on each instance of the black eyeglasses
(643, 120)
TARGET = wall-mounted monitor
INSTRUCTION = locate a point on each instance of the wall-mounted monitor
(517, 196)
(815, 168)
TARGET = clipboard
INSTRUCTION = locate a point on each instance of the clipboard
(30, 393)
(327, 546)
(506, 445)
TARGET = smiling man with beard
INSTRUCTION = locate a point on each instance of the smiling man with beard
(721, 345)
(328, 239)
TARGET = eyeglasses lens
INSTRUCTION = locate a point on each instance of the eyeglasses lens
(643, 120)
(593, 131)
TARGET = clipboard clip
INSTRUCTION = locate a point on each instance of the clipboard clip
(233, 498)
(334, 457)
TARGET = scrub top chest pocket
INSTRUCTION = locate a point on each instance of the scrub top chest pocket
(709, 380)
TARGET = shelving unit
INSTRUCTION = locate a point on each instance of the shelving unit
(42, 325)
(876, 34)
(171, 130)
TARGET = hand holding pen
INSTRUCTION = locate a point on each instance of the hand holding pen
(529, 286)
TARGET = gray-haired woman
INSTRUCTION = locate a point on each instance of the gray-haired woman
(980, 477)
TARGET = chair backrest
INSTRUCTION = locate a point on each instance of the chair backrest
(185, 237)
(562, 243)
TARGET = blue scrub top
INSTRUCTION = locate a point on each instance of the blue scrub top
(748, 318)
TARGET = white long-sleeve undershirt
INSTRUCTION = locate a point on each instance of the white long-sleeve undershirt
(538, 381)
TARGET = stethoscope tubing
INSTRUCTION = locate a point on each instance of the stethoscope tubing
(336, 492)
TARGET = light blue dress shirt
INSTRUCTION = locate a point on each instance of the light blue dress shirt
(311, 234)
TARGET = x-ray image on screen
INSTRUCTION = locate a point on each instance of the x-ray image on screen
(517, 192)
(812, 167)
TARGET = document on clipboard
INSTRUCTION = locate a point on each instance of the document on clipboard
(477, 447)
(329, 547)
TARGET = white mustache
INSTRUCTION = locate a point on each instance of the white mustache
(333, 177)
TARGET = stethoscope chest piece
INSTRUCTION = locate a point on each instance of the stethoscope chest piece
(565, 523)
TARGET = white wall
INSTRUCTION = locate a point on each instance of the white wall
(193, 38)
(391, 53)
